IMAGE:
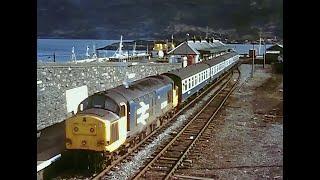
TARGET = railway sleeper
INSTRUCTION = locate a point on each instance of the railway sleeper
(168, 158)
(160, 168)
(153, 174)
(165, 163)
(174, 154)
(180, 147)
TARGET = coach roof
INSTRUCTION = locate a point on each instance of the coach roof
(219, 59)
(189, 70)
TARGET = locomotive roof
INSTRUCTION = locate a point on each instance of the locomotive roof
(219, 59)
(137, 88)
(189, 70)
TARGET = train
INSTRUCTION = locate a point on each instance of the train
(111, 121)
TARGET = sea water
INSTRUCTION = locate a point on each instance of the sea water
(62, 48)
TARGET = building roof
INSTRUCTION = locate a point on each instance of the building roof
(183, 49)
(194, 47)
(278, 47)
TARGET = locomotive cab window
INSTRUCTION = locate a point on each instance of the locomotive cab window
(100, 102)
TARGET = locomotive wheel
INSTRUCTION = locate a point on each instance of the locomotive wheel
(123, 150)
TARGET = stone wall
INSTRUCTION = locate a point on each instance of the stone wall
(54, 79)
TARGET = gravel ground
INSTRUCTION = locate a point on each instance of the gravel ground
(247, 142)
(128, 169)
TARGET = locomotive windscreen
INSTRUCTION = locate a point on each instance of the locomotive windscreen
(100, 102)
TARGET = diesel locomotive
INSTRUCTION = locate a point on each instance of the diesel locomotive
(111, 121)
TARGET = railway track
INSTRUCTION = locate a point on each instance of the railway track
(167, 160)
(218, 86)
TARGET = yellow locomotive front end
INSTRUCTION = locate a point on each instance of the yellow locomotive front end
(97, 126)
(86, 132)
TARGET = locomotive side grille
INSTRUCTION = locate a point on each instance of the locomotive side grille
(114, 132)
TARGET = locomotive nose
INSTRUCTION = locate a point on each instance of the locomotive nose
(85, 132)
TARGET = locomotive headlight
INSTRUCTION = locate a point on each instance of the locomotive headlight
(84, 142)
(76, 129)
(92, 130)
(68, 141)
(101, 142)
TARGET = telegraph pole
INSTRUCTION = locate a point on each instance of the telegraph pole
(253, 53)
(264, 55)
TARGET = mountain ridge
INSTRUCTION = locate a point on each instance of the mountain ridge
(158, 19)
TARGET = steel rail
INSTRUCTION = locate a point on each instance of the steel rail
(116, 162)
(143, 171)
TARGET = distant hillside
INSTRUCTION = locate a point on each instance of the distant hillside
(103, 19)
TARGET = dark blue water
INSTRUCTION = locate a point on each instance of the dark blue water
(63, 47)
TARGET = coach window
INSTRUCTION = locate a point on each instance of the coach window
(185, 86)
(189, 85)
(192, 82)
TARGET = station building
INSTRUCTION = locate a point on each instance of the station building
(194, 51)
(274, 54)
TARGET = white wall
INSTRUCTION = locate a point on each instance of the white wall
(75, 96)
